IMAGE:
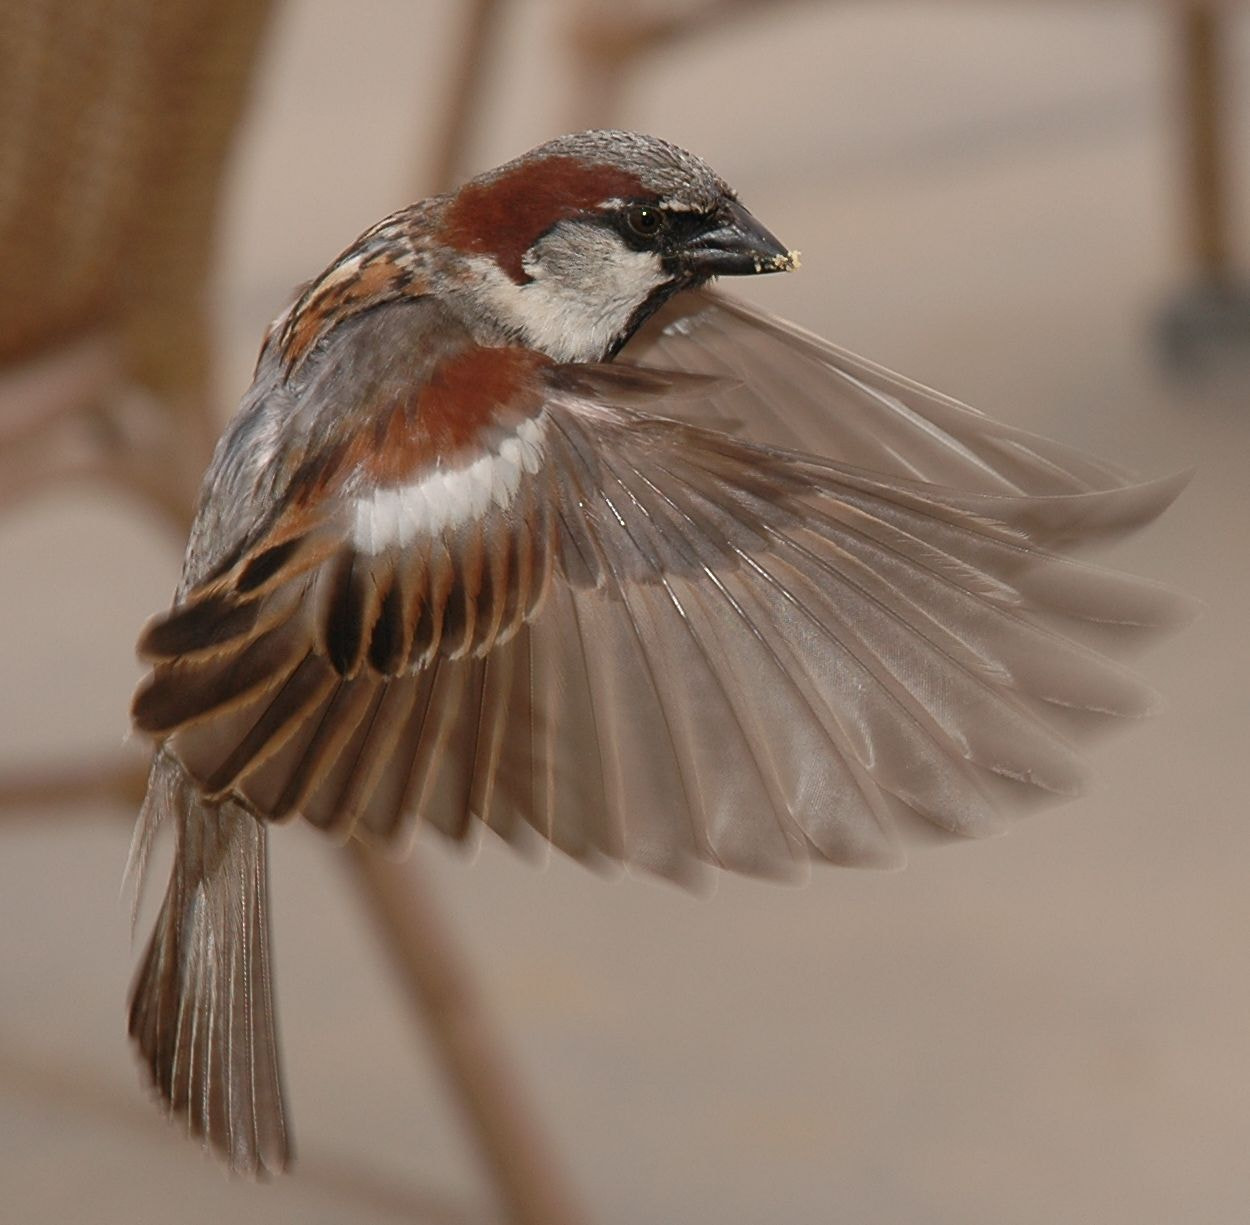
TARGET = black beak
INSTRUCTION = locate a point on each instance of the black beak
(737, 246)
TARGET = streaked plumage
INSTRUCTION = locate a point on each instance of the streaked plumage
(737, 598)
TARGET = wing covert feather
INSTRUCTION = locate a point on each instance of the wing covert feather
(649, 642)
(783, 386)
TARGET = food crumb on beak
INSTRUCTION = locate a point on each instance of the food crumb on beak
(778, 263)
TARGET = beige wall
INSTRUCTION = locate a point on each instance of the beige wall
(1047, 1028)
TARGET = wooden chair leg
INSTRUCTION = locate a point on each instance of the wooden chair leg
(56, 425)
(442, 995)
(455, 125)
(1204, 113)
(1212, 312)
(120, 781)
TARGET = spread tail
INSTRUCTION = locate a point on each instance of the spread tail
(201, 1007)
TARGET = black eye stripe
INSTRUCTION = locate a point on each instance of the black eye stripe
(646, 220)
(663, 229)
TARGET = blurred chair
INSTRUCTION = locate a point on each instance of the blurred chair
(608, 41)
(116, 122)
(1213, 310)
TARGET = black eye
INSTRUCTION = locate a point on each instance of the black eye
(645, 221)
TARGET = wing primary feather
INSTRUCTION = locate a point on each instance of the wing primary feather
(346, 787)
(428, 625)
(595, 623)
(292, 703)
(541, 558)
(796, 785)
(269, 562)
(978, 718)
(860, 728)
(492, 596)
(660, 754)
(392, 802)
(388, 638)
(468, 763)
(990, 632)
(441, 795)
(498, 669)
(512, 586)
(202, 626)
(553, 738)
(377, 750)
(675, 647)
(340, 716)
(321, 807)
(716, 707)
(177, 694)
(510, 804)
(460, 609)
(351, 600)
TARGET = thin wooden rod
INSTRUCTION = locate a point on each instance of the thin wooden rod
(121, 781)
(464, 96)
(1204, 114)
(431, 969)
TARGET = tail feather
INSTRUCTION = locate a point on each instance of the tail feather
(201, 1007)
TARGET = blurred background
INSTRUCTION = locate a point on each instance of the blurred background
(1018, 203)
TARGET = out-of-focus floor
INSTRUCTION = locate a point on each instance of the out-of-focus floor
(1048, 1027)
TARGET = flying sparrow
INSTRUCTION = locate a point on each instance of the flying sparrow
(518, 525)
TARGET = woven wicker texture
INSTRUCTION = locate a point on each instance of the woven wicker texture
(115, 124)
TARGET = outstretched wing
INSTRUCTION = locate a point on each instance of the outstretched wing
(644, 640)
(792, 389)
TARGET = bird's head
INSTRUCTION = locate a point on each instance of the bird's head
(571, 247)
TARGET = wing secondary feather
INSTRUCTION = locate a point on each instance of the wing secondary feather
(650, 641)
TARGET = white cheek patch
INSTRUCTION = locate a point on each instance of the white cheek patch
(579, 301)
(405, 515)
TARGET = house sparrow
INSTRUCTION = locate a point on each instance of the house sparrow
(738, 598)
